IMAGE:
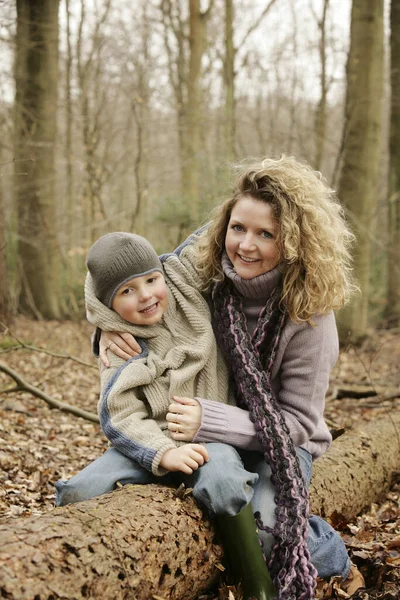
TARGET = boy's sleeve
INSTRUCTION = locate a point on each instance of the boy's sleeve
(183, 260)
(126, 420)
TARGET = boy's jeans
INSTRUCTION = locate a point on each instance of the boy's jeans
(224, 485)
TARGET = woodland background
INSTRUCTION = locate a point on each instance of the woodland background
(121, 115)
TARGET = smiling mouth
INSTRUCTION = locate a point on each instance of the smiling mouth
(248, 260)
(149, 309)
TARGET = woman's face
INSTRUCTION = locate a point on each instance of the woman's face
(250, 241)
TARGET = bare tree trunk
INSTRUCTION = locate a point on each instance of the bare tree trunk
(359, 180)
(185, 73)
(229, 83)
(145, 541)
(92, 102)
(191, 168)
(140, 111)
(293, 97)
(320, 116)
(5, 300)
(68, 133)
(393, 311)
(36, 75)
(138, 165)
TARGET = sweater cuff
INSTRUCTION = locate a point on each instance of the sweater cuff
(156, 468)
(226, 424)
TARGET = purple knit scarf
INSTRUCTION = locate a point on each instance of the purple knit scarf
(292, 572)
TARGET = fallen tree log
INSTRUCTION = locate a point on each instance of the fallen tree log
(357, 469)
(137, 543)
(147, 542)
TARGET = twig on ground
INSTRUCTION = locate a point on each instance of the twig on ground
(25, 386)
(13, 389)
(22, 345)
(10, 349)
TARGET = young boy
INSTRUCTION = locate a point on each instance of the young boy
(128, 289)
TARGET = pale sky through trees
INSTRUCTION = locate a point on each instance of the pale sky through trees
(273, 37)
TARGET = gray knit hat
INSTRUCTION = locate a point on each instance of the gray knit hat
(116, 258)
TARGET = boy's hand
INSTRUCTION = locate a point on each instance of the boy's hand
(187, 458)
(123, 345)
(184, 418)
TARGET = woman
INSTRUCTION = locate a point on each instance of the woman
(275, 263)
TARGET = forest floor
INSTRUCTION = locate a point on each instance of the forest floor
(39, 445)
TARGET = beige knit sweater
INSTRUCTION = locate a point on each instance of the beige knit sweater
(179, 357)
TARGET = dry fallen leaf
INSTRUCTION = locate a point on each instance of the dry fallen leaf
(394, 543)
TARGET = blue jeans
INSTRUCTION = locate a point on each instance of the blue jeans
(224, 485)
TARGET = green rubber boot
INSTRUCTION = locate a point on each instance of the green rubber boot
(245, 558)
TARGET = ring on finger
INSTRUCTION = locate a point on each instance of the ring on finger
(177, 428)
(109, 345)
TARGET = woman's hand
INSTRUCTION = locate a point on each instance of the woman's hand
(187, 458)
(123, 345)
(184, 418)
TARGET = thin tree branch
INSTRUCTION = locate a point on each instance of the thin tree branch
(208, 10)
(178, 75)
(22, 344)
(256, 23)
(10, 348)
(52, 402)
(16, 388)
(56, 355)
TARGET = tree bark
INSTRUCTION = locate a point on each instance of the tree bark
(229, 83)
(92, 103)
(68, 132)
(36, 75)
(357, 469)
(185, 68)
(137, 542)
(192, 121)
(321, 112)
(393, 305)
(147, 542)
(359, 180)
(5, 299)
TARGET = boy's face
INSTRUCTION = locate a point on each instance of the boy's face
(142, 300)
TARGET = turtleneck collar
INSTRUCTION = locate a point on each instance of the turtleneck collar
(258, 287)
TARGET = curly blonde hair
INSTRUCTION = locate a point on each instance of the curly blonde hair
(313, 238)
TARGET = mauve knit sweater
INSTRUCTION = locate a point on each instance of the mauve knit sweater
(300, 376)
